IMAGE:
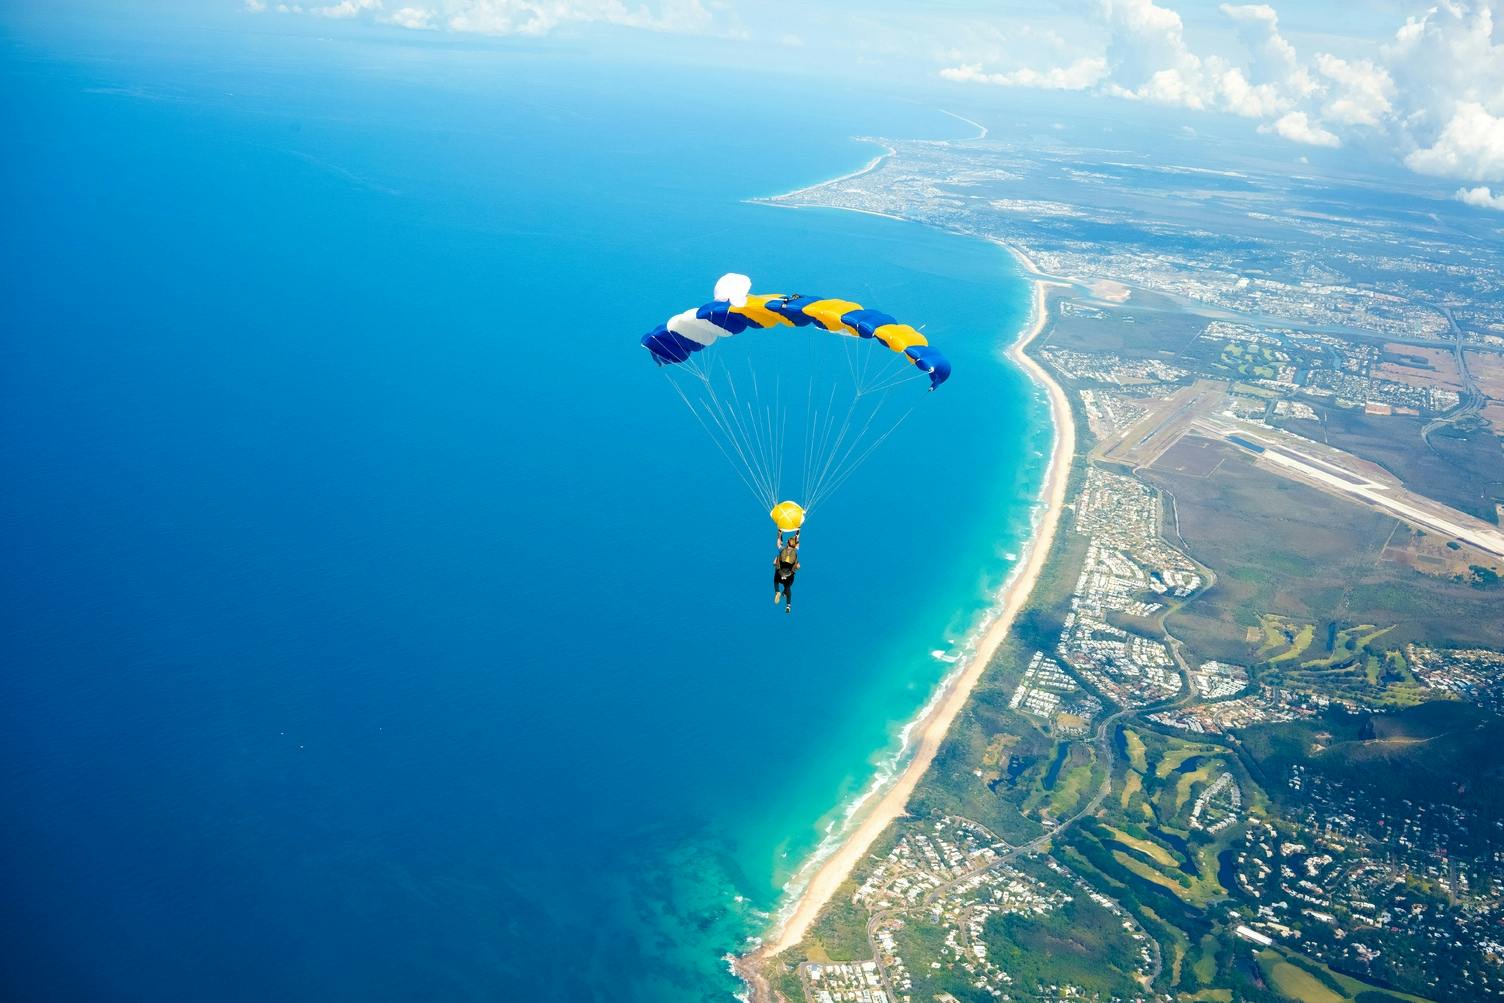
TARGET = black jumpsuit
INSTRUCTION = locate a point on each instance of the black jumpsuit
(783, 576)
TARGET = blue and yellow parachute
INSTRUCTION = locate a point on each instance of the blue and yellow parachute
(810, 419)
(684, 334)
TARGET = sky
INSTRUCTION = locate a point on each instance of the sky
(1419, 84)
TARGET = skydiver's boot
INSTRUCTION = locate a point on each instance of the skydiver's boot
(777, 595)
(789, 608)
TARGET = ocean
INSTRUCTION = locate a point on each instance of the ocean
(376, 624)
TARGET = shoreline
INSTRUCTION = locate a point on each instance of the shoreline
(867, 168)
(930, 727)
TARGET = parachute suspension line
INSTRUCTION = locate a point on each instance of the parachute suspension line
(760, 420)
(783, 430)
(850, 468)
(811, 420)
(749, 420)
(861, 386)
(910, 375)
(727, 417)
(804, 473)
(851, 364)
(812, 417)
(751, 453)
(764, 422)
(842, 463)
(774, 439)
(738, 468)
(829, 451)
(819, 435)
(724, 418)
(716, 411)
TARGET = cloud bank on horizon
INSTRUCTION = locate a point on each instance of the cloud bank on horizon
(510, 17)
(1434, 92)
(1431, 93)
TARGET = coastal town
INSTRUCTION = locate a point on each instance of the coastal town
(1282, 476)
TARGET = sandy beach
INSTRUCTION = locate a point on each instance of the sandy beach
(930, 730)
(866, 168)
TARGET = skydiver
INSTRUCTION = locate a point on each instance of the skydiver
(785, 563)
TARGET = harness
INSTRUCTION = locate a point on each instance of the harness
(786, 560)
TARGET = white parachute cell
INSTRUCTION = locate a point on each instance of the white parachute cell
(701, 332)
(733, 286)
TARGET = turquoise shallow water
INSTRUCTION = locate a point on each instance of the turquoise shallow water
(339, 659)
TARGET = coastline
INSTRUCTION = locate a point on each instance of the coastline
(934, 721)
(867, 168)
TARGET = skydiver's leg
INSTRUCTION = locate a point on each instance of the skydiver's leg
(777, 586)
(788, 593)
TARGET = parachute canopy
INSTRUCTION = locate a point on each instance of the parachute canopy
(808, 401)
(684, 334)
(788, 515)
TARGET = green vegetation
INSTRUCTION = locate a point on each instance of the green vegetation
(1286, 551)
(1297, 983)
(997, 765)
(1298, 977)
(1081, 943)
(1439, 752)
(1152, 850)
(1356, 665)
(1298, 645)
(1136, 755)
(1250, 361)
(840, 931)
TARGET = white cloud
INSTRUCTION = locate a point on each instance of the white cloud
(1081, 74)
(345, 8)
(521, 17)
(1447, 58)
(1249, 100)
(539, 17)
(1471, 146)
(1297, 127)
(1360, 91)
(416, 18)
(1482, 197)
(1148, 57)
(1434, 94)
(1276, 64)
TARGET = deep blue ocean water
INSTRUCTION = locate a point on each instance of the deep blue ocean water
(338, 657)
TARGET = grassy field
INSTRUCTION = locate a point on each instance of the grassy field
(1148, 836)
(1354, 664)
(1136, 757)
(1287, 551)
(1156, 335)
(1304, 979)
(1154, 851)
(1462, 472)
(1296, 983)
